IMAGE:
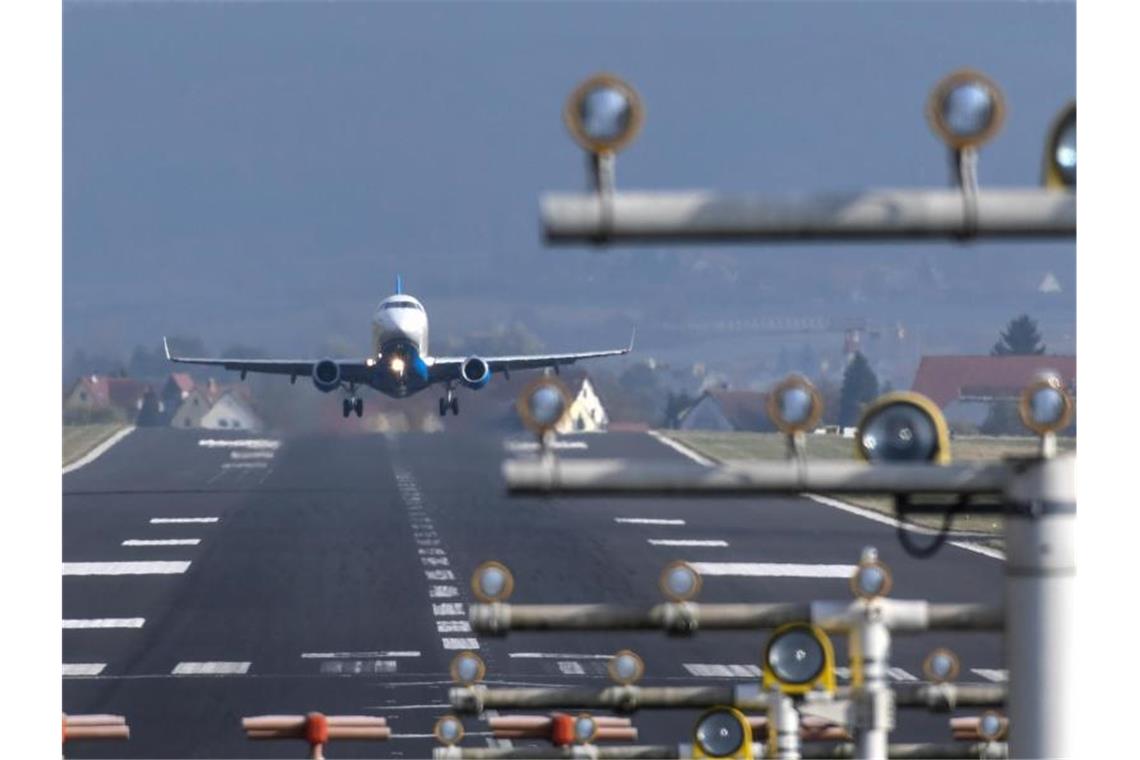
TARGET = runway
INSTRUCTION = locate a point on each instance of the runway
(210, 576)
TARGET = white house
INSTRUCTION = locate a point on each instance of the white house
(231, 412)
(586, 415)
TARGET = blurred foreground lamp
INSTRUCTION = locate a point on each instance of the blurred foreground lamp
(798, 658)
(1061, 150)
(795, 406)
(543, 405)
(966, 109)
(1046, 409)
(492, 582)
(467, 668)
(871, 579)
(626, 667)
(723, 732)
(992, 726)
(585, 728)
(603, 114)
(941, 665)
(901, 427)
(448, 730)
(679, 581)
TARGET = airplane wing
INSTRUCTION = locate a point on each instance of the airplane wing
(351, 370)
(447, 367)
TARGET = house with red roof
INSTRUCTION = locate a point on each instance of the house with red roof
(965, 386)
(98, 394)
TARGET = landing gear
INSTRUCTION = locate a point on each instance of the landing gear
(351, 405)
(450, 401)
(359, 407)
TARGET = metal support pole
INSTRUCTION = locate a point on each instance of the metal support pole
(872, 706)
(1040, 608)
(784, 726)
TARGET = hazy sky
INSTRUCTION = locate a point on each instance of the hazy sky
(259, 172)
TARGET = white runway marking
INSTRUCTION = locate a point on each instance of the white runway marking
(124, 568)
(681, 448)
(179, 520)
(357, 655)
(772, 570)
(687, 542)
(558, 656)
(533, 445)
(73, 669)
(711, 670)
(245, 465)
(431, 552)
(104, 623)
(571, 668)
(98, 451)
(210, 668)
(447, 608)
(452, 626)
(439, 575)
(435, 561)
(648, 521)
(899, 674)
(162, 542)
(990, 674)
(443, 592)
(240, 443)
(843, 672)
(246, 455)
(460, 643)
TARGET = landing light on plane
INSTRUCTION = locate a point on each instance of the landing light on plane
(397, 366)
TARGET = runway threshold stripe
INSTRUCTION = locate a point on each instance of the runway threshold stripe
(124, 568)
(648, 521)
(181, 520)
(571, 668)
(465, 643)
(211, 668)
(104, 623)
(162, 542)
(357, 655)
(772, 570)
(73, 669)
(687, 542)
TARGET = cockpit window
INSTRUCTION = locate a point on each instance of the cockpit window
(401, 305)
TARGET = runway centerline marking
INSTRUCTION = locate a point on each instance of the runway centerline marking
(558, 656)
(648, 521)
(239, 443)
(461, 643)
(125, 568)
(74, 669)
(211, 668)
(687, 542)
(162, 542)
(773, 570)
(443, 592)
(446, 609)
(358, 655)
(104, 622)
(180, 520)
(439, 575)
(452, 626)
(571, 668)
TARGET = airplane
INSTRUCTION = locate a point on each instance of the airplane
(400, 364)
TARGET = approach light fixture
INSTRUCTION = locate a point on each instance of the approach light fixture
(492, 582)
(900, 427)
(794, 405)
(992, 726)
(798, 657)
(448, 730)
(585, 728)
(1045, 407)
(467, 668)
(679, 581)
(966, 109)
(543, 404)
(1061, 150)
(871, 580)
(941, 665)
(626, 667)
(603, 114)
(722, 732)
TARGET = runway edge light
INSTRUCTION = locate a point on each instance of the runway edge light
(799, 658)
(723, 732)
(903, 426)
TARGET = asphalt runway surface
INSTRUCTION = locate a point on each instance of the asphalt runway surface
(210, 576)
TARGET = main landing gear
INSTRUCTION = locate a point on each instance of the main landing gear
(351, 405)
(450, 401)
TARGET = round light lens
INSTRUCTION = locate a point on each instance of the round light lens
(492, 582)
(899, 432)
(680, 582)
(871, 580)
(941, 666)
(543, 404)
(546, 405)
(1045, 407)
(794, 405)
(448, 730)
(720, 734)
(1065, 153)
(585, 729)
(467, 668)
(603, 114)
(795, 656)
(626, 667)
(991, 726)
(966, 109)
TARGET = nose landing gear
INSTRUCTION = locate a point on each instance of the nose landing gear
(450, 401)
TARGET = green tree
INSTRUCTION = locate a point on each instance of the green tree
(860, 385)
(1019, 338)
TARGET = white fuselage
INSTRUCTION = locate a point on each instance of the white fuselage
(400, 345)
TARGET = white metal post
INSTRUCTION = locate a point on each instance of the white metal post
(1040, 607)
(784, 725)
(872, 720)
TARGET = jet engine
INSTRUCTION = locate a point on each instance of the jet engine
(475, 372)
(326, 375)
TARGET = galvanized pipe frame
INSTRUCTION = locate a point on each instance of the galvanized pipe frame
(864, 215)
(981, 750)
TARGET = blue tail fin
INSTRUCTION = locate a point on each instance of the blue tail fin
(399, 285)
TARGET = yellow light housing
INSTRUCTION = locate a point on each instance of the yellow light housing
(903, 426)
(1060, 162)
